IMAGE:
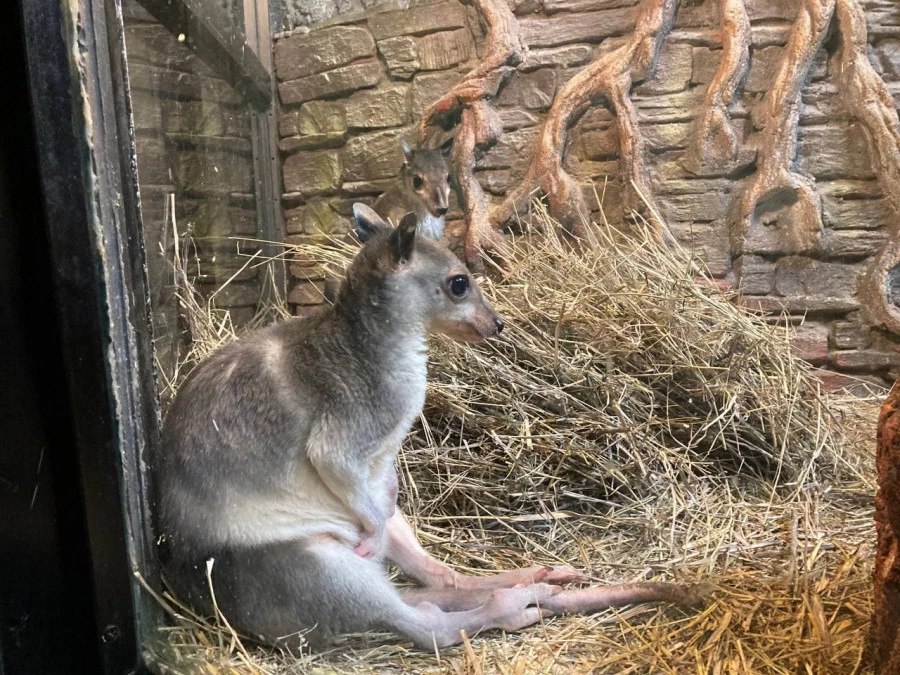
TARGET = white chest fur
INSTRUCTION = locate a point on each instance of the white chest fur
(431, 226)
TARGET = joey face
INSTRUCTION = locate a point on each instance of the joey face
(428, 178)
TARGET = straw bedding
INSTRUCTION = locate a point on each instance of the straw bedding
(633, 422)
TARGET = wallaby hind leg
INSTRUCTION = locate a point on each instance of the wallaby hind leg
(276, 591)
(404, 550)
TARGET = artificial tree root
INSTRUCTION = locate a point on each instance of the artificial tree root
(479, 125)
(716, 144)
(776, 190)
(611, 76)
(868, 99)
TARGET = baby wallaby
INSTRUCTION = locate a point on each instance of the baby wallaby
(422, 188)
(277, 462)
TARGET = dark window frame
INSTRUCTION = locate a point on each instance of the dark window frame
(85, 147)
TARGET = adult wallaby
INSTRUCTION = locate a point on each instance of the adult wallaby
(423, 188)
(277, 462)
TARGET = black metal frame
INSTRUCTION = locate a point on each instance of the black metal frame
(85, 150)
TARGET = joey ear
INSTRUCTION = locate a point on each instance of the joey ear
(403, 239)
(367, 222)
(446, 147)
(407, 151)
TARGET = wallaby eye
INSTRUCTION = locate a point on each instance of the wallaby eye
(417, 182)
(459, 285)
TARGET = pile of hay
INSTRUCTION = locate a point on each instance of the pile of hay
(631, 421)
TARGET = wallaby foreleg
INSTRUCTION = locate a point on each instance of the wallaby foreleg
(404, 550)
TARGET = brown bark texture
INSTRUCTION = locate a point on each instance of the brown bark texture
(479, 124)
(716, 143)
(611, 76)
(869, 100)
(777, 195)
(885, 632)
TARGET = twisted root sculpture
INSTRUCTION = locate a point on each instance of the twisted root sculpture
(777, 195)
(611, 75)
(868, 99)
(469, 103)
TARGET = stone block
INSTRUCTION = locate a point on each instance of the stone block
(701, 207)
(570, 55)
(865, 359)
(532, 91)
(704, 64)
(811, 305)
(600, 143)
(810, 342)
(181, 86)
(510, 150)
(856, 214)
(147, 110)
(307, 293)
(851, 334)
(762, 10)
(407, 55)
(331, 83)
(854, 244)
(429, 87)
(379, 108)
(238, 294)
(311, 142)
(152, 158)
(552, 6)
(576, 27)
(418, 20)
(707, 242)
(312, 173)
(373, 156)
(664, 137)
(320, 217)
(315, 117)
(210, 170)
(299, 56)
(672, 73)
(524, 7)
(293, 220)
(835, 151)
(886, 57)
(514, 118)
(802, 276)
(755, 274)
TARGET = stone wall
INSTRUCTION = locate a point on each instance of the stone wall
(192, 133)
(353, 85)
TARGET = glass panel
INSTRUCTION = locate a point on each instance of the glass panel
(195, 168)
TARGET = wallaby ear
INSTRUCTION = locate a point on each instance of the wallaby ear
(446, 147)
(407, 151)
(403, 239)
(367, 222)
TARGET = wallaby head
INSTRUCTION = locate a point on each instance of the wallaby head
(426, 176)
(416, 281)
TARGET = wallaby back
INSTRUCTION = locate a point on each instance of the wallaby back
(422, 188)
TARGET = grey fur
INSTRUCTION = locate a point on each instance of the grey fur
(278, 457)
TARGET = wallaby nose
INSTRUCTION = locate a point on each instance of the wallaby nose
(442, 210)
(499, 323)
